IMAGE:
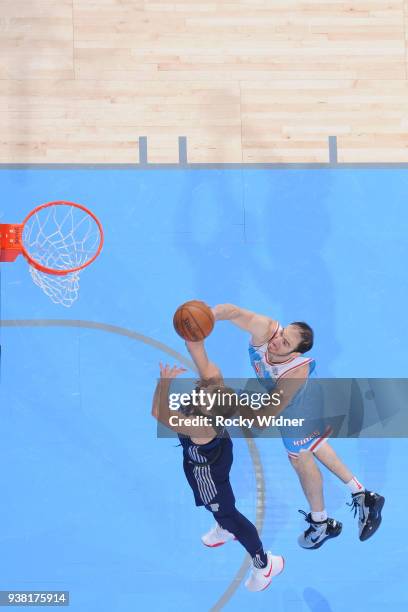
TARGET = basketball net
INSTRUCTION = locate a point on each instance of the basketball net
(62, 290)
(59, 240)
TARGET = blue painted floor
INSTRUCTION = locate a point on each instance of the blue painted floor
(92, 501)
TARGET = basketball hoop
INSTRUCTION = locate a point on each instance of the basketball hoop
(58, 239)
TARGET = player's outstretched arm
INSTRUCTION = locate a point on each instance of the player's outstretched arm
(206, 368)
(259, 326)
(160, 406)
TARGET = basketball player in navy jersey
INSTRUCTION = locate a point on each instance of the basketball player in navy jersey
(207, 453)
(277, 354)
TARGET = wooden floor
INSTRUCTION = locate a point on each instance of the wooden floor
(244, 80)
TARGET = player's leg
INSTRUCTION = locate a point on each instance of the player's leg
(310, 478)
(329, 458)
(321, 527)
(309, 406)
(232, 522)
(368, 504)
(264, 565)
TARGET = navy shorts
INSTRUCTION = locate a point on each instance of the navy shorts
(209, 480)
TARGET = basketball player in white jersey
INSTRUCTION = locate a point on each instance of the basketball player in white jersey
(277, 352)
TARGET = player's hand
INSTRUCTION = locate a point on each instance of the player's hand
(171, 372)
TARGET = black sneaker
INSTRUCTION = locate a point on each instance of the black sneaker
(318, 532)
(369, 506)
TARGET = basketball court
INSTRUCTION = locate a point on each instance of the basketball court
(268, 171)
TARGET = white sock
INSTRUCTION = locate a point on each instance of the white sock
(355, 486)
(318, 517)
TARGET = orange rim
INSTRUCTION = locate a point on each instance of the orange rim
(42, 268)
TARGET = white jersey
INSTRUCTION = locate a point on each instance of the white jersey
(269, 372)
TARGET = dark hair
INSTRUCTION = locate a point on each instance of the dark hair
(306, 333)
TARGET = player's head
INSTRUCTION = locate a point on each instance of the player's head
(306, 336)
(296, 338)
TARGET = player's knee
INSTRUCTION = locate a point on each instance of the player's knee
(221, 511)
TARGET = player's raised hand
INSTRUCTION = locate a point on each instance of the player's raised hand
(171, 372)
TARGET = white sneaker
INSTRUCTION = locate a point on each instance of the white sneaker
(217, 536)
(260, 579)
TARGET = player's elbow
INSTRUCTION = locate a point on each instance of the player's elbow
(156, 411)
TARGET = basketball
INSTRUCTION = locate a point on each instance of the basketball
(193, 320)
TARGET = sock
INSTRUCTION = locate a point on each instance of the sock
(318, 517)
(260, 559)
(355, 486)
